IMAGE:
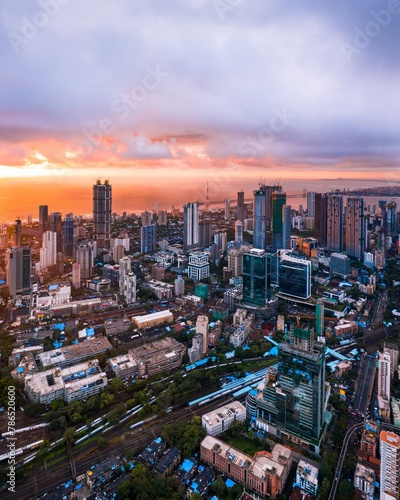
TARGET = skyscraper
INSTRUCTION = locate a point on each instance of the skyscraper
(18, 232)
(238, 231)
(43, 219)
(102, 205)
(55, 225)
(148, 238)
(278, 202)
(205, 233)
(292, 403)
(390, 465)
(227, 208)
(68, 237)
(286, 226)
(320, 218)
(294, 276)
(355, 227)
(241, 208)
(259, 218)
(334, 235)
(311, 204)
(48, 252)
(391, 218)
(18, 266)
(84, 256)
(256, 277)
(190, 225)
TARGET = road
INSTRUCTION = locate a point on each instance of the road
(365, 384)
(342, 456)
(120, 438)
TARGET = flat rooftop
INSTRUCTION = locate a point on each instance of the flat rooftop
(225, 412)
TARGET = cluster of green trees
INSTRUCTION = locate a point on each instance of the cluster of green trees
(185, 435)
(144, 485)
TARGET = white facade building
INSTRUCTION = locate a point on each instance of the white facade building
(221, 419)
(199, 267)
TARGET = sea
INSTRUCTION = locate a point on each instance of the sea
(22, 197)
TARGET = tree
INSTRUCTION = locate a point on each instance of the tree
(69, 434)
(345, 490)
(324, 490)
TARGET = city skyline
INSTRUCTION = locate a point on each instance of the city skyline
(231, 91)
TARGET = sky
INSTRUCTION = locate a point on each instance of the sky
(168, 90)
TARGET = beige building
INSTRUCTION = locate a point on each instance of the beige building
(265, 473)
(154, 319)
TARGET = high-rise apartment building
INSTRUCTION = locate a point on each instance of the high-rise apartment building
(43, 219)
(190, 225)
(390, 465)
(55, 225)
(68, 237)
(102, 206)
(227, 208)
(48, 252)
(84, 255)
(311, 204)
(355, 227)
(129, 288)
(146, 218)
(392, 350)
(148, 238)
(18, 233)
(18, 267)
(125, 267)
(241, 208)
(205, 233)
(334, 223)
(320, 218)
(391, 218)
(76, 275)
(238, 231)
(286, 226)
(235, 262)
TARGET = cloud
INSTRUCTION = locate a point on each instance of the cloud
(225, 80)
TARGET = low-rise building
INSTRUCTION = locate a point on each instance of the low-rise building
(115, 326)
(265, 473)
(73, 354)
(102, 470)
(154, 319)
(168, 461)
(158, 356)
(364, 480)
(220, 420)
(68, 384)
(161, 289)
(123, 365)
(307, 477)
(153, 452)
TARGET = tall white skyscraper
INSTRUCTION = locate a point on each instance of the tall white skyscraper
(390, 465)
(48, 252)
(190, 225)
(129, 289)
(125, 267)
